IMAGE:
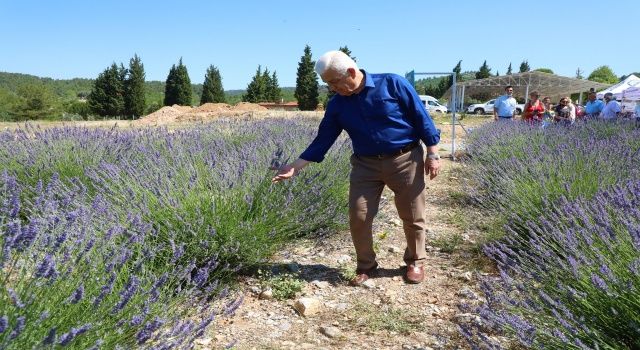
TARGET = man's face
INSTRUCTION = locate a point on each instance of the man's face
(344, 85)
(607, 98)
(592, 97)
(509, 91)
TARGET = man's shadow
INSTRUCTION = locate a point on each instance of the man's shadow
(321, 272)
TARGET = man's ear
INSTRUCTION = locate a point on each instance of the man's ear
(352, 72)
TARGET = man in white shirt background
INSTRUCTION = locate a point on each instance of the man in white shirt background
(611, 108)
(505, 105)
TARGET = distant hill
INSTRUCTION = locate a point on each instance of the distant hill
(71, 89)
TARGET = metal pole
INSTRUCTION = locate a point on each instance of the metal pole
(526, 98)
(462, 99)
(453, 117)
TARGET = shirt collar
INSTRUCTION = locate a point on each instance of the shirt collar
(368, 80)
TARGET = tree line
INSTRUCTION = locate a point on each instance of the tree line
(123, 92)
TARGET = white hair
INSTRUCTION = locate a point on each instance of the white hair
(336, 61)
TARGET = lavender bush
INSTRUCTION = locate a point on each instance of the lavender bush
(569, 261)
(206, 189)
(108, 235)
(73, 273)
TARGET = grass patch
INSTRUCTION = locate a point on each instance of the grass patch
(386, 318)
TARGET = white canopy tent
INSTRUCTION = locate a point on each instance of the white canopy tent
(632, 93)
(620, 89)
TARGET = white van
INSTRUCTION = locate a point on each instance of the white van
(432, 104)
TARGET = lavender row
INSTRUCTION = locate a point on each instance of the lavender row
(204, 198)
(73, 273)
(569, 261)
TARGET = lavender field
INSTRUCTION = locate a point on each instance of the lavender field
(125, 238)
(566, 202)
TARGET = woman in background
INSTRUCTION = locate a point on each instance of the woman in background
(565, 111)
(533, 109)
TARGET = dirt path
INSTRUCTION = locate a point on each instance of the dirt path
(388, 314)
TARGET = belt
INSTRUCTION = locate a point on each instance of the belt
(397, 152)
(507, 117)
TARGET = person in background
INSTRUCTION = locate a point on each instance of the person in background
(637, 113)
(594, 107)
(386, 121)
(533, 109)
(565, 111)
(548, 107)
(611, 108)
(505, 106)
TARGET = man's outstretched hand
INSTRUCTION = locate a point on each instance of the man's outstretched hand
(284, 172)
(289, 170)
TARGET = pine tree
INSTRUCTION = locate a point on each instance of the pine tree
(497, 73)
(274, 93)
(509, 69)
(107, 96)
(134, 98)
(178, 86)
(256, 88)
(484, 71)
(524, 66)
(579, 74)
(212, 91)
(170, 90)
(306, 83)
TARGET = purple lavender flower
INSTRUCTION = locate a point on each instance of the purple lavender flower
(145, 333)
(18, 328)
(4, 323)
(51, 337)
(599, 283)
(77, 295)
(127, 293)
(66, 338)
(15, 298)
(46, 268)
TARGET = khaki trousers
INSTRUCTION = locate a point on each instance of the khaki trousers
(404, 175)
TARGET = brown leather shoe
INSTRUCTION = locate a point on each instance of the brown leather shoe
(362, 276)
(415, 274)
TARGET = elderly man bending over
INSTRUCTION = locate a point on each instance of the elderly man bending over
(386, 121)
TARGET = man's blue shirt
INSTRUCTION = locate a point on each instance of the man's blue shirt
(594, 107)
(382, 118)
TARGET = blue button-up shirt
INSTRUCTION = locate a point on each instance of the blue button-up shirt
(505, 105)
(382, 118)
(594, 107)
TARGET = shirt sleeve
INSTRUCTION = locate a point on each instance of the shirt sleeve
(417, 113)
(328, 132)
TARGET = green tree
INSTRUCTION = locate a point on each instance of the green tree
(544, 70)
(603, 74)
(509, 69)
(107, 96)
(178, 88)
(212, 90)
(484, 71)
(36, 101)
(134, 97)
(307, 83)
(524, 66)
(273, 91)
(256, 88)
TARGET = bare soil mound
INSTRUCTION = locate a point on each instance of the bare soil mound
(248, 107)
(164, 115)
(212, 107)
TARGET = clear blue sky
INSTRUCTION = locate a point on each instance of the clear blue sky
(69, 38)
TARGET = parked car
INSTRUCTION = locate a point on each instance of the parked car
(432, 104)
(487, 108)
